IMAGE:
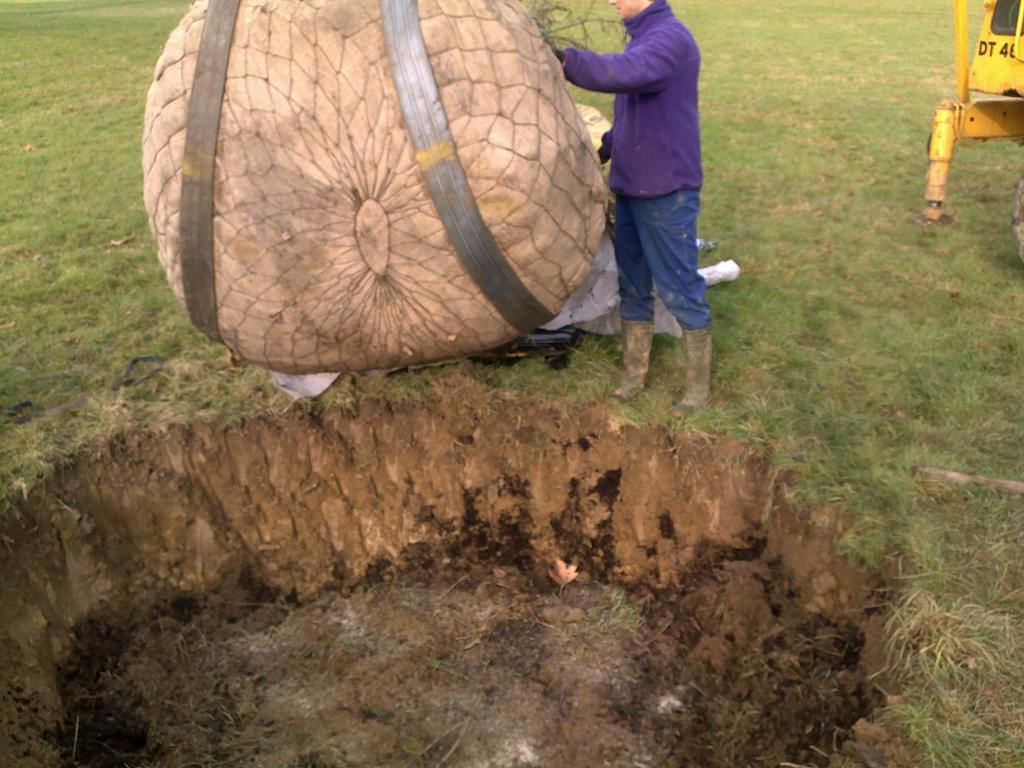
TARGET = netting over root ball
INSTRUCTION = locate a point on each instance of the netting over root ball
(330, 251)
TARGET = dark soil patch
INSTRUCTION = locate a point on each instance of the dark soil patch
(484, 664)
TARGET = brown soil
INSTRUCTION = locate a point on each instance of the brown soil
(372, 589)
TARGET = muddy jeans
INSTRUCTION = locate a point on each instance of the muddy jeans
(656, 244)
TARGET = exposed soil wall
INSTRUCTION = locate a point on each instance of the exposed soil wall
(716, 568)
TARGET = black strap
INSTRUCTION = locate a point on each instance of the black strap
(197, 212)
(26, 410)
(131, 375)
(22, 412)
(444, 175)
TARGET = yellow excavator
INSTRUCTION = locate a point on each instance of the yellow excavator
(996, 76)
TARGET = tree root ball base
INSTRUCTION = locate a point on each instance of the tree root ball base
(329, 253)
(372, 589)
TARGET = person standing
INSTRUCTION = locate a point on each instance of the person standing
(656, 175)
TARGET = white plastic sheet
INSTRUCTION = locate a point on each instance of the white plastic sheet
(594, 306)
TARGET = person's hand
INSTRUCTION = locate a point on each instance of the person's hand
(604, 154)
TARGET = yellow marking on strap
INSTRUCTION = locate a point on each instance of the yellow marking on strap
(441, 151)
(197, 165)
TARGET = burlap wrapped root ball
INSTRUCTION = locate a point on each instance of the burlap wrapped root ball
(329, 254)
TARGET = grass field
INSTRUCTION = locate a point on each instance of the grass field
(854, 346)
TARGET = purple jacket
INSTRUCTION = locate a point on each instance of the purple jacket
(655, 137)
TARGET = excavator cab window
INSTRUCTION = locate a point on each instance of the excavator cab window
(1004, 17)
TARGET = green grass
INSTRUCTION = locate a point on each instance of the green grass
(853, 347)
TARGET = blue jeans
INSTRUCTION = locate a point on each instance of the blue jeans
(656, 244)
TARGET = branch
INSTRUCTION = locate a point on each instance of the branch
(962, 478)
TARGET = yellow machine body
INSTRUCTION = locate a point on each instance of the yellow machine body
(998, 65)
(997, 72)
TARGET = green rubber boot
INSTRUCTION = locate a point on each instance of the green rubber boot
(698, 371)
(636, 359)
